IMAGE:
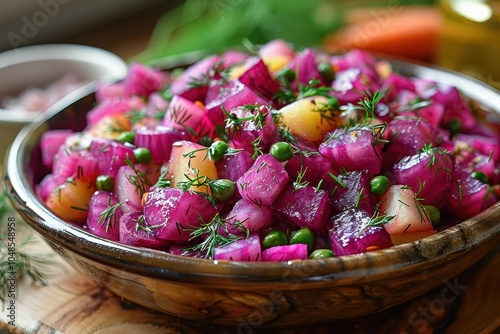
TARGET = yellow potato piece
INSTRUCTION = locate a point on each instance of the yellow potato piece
(181, 167)
(309, 118)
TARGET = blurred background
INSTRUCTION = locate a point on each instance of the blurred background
(458, 34)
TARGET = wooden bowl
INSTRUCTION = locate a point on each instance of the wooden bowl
(248, 295)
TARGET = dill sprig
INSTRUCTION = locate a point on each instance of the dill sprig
(108, 217)
(211, 237)
(298, 183)
(139, 179)
(210, 187)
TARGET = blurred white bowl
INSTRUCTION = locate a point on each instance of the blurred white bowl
(41, 65)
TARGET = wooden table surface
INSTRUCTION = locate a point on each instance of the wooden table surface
(74, 304)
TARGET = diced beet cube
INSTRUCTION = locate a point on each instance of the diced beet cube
(134, 233)
(250, 215)
(429, 173)
(456, 109)
(405, 138)
(316, 166)
(285, 253)
(264, 181)
(257, 77)
(110, 155)
(233, 166)
(352, 190)
(350, 233)
(350, 84)
(74, 163)
(306, 67)
(50, 141)
(483, 144)
(248, 250)
(229, 96)
(304, 207)
(190, 84)
(395, 84)
(100, 224)
(258, 125)
(467, 194)
(46, 186)
(175, 213)
(185, 115)
(158, 139)
(142, 80)
(353, 150)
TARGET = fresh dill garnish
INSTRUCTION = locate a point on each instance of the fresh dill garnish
(109, 216)
(235, 123)
(141, 225)
(209, 187)
(257, 148)
(298, 183)
(336, 179)
(139, 179)
(211, 237)
(163, 181)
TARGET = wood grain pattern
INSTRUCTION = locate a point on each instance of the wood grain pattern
(73, 303)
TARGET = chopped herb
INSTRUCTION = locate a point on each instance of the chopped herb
(109, 218)
(210, 234)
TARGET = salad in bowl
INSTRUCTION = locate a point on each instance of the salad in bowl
(275, 155)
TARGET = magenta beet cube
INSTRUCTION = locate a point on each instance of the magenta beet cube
(285, 253)
(353, 150)
(110, 155)
(253, 129)
(303, 207)
(429, 173)
(50, 141)
(352, 190)
(248, 250)
(233, 166)
(257, 78)
(264, 181)
(306, 67)
(316, 166)
(405, 138)
(191, 83)
(158, 139)
(250, 215)
(229, 96)
(74, 163)
(174, 213)
(185, 115)
(350, 233)
(467, 194)
(133, 232)
(97, 224)
(143, 80)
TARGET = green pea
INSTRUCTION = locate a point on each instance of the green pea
(223, 189)
(433, 213)
(379, 185)
(480, 176)
(126, 137)
(303, 236)
(281, 151)
(142, 155)
(321, 254)
(105, 182)
(274, 238)
(217, 150)
(326, 71)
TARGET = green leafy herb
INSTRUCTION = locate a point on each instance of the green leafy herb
(210, 236)
(298, 183)
(109, 218)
